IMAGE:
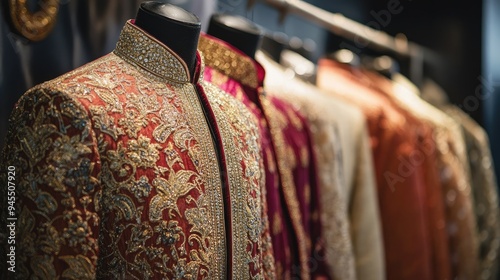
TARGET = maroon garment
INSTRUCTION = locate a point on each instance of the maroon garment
(291, 182)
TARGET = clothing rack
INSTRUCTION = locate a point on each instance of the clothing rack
(357, 32)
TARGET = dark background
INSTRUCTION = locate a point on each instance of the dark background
(462, 33)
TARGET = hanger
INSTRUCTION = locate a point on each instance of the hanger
(351, 30)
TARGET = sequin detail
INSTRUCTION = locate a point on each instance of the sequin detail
(119, 178)
(141, 49)
(229, 62)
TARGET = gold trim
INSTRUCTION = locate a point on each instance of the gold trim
(217, 253)
(229, 62)
(285, 165)
(141, 49)
(34, 26)
(240, 136)
(201, 248)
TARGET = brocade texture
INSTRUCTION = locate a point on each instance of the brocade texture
(118, 174)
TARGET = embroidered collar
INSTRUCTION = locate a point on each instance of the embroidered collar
(231, 62)
(140, 49)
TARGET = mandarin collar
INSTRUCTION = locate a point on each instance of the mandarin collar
(230, 61)
(142, 50)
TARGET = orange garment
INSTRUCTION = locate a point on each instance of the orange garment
(409, 193)
(454, 173)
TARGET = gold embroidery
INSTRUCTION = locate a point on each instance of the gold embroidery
(167, 124)
(87, 174)
(264, 253)
(104, 123)
(270, 160)
(79, 268)
(286, 162)
(57, 177)
(133, 122)
(169, 192)
(139, 48)
(243, 156)
(268, 261)
(229, 62)
(295, 120)
(143, 153)
(323, 125)
(210, 206)
(277, 224)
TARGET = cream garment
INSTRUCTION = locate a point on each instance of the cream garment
(354, 239)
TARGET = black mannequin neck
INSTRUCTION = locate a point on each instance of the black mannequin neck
(273, 45)
(237, 31)
(175, 27)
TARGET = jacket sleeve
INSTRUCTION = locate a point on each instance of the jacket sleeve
(366, 229)
(51, 166)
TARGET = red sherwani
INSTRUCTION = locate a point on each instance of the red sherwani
(128, 168)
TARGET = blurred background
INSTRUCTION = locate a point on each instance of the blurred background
(463, 35)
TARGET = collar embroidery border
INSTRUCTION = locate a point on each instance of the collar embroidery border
(141, 49)
(228, 61)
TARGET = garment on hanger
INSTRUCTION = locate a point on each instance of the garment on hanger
(454, 172)
(407, 196)
(242, 76)
(348, 193)
(483, 179)
(325, 136)
(242, 89)
(118, 174)
(484, 190)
